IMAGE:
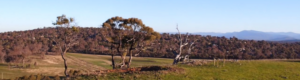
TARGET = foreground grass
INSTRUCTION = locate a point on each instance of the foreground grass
(53, 65)
(248, 70)
(10, 73)
(242, 70)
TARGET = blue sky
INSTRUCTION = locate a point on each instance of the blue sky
(162, 15)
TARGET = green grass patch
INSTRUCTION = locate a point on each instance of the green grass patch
(10, 73)
(245, 70)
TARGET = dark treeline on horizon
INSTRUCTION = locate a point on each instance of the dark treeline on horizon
(16, 46)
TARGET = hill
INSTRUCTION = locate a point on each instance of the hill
(14, 46)
(257, 35)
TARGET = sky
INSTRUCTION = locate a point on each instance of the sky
(162, 15)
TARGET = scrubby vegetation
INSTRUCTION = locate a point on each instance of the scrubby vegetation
(72, 73)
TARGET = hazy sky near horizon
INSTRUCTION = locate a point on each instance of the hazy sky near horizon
(162, 15)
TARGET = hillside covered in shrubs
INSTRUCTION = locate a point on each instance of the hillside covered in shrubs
(15, 46)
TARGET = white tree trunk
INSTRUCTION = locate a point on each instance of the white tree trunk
(186, 58)
(130, 59)
(176, 59)
(123, 61)
(181, 45)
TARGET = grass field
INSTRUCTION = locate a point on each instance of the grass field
(248, 70)
(242, 70)
(53, 65)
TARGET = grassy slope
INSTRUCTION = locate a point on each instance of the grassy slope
(248, 70)
(9, 73)
(105, 60)
(51, 65)
(244, 70)
(257, 70)
(253, 70)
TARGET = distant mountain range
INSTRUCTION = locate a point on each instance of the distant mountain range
(256, 35)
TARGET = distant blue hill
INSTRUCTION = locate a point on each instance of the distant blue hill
(256, 35)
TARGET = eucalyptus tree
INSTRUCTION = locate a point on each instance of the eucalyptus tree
(127, 35)
(65, 37)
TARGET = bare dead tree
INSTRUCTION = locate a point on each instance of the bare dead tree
(181, 45)
(186, 57)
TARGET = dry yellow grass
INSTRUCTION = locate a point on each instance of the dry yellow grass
(50, 65)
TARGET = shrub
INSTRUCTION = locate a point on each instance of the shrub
(39, 77)
(56, 77)
(74, 73)
(32, 77)
(46, 78)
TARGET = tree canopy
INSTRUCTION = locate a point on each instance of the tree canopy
(127, 34)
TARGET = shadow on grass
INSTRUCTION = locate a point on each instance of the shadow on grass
(1, 64)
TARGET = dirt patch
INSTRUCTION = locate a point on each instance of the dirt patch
(46, 70)
(140, 70)
(83, 64)
(51, 62)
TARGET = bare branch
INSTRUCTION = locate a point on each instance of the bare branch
(185, 44)
(187, 35)
(193, 42)
(178, 37)
(130, 39)
(191, 46)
